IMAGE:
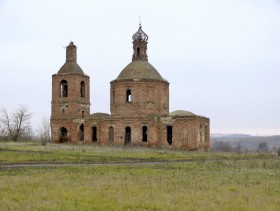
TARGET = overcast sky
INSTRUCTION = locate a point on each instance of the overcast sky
(221, 57)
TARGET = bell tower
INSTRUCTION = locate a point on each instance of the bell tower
(70, 99)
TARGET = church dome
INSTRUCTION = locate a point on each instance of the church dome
(99, 115)
(181, 113)
(139, 69)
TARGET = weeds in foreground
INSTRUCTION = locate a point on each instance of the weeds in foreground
(217, 185)
(31, 152)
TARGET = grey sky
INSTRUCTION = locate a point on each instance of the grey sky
(221, 57)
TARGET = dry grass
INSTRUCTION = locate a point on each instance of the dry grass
(230, 185)
(31, 152)
(223, 184)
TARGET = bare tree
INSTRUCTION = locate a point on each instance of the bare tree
(3, 133)
(44, 131)
(16, 124)
(262, 147)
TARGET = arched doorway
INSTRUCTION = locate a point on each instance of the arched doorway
(62, 135)
(127, 136)
(94, 134)
(81, 134)
(169, 134)
(111, 135)
(144, 134)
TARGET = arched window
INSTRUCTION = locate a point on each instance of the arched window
(62, 135)
(81, 132)
(144, 134)
(83, 89)
(63, 88)
(128, 95)
(138, 52)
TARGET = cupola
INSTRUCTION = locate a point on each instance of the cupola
(140, 39)
(71, 66)
(139, 68)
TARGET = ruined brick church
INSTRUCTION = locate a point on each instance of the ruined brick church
(139, 104)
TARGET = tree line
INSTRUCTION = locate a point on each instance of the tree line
(227, 146)
(16, 126)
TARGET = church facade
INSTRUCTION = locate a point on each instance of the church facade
(139, 104)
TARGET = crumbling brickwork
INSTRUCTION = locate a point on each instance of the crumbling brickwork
(70, 96)
(139, 104)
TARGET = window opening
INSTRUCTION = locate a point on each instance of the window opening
(144, 134)
(94, 134)
(62, 135)
(128, 95)
(81, 132)
(63, 88)
(82, 89)
(83, 114)
(127, 135)
(169, 134)
(111, 135)
(138, 52)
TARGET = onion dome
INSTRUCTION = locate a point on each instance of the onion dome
(140, 35)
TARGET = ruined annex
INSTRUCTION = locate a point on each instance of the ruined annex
(139, 105)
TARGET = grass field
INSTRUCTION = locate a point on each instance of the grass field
(211, 182)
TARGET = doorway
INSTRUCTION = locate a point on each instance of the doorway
(144, 134)
(62, 135)
(127, 136)
(169, 134)
(81, 132)
(94, 134)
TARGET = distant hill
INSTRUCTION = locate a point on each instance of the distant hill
(246, 141)
(233, 136)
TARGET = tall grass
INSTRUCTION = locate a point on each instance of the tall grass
(217, 185)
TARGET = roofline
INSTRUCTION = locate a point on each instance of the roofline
(139, 80)
(70, 74)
